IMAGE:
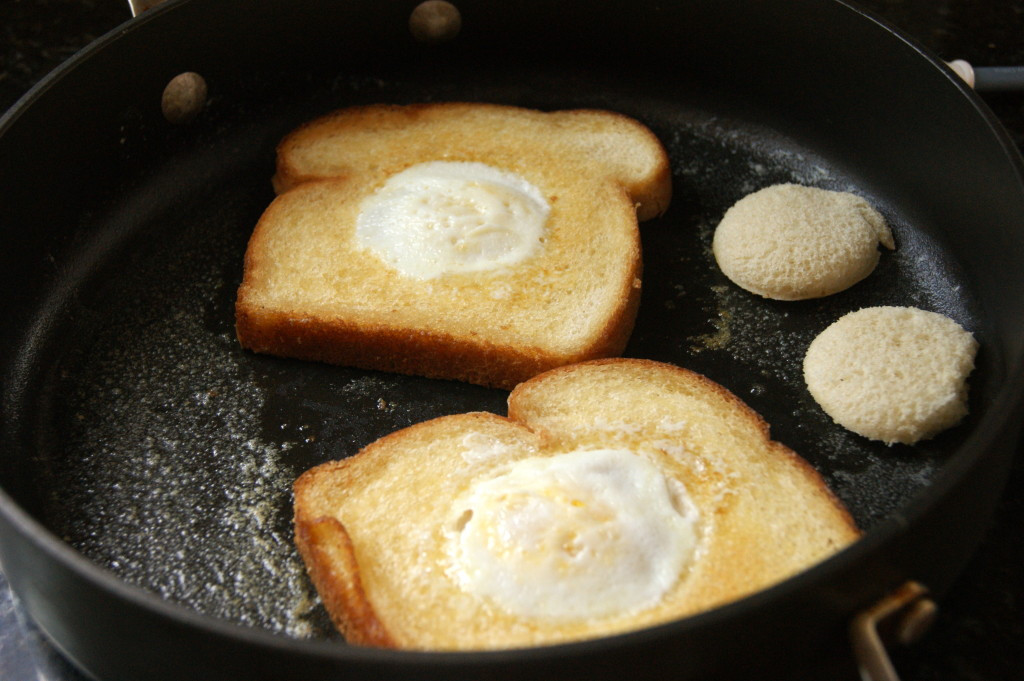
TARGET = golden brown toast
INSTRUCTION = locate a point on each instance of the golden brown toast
(389, 535)
(314, 288)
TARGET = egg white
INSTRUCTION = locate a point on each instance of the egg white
(444, 217)
(585, 534)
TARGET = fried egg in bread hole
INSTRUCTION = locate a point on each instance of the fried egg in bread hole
(443, 217)
(616, 495)
(584, 534)
(465, 241)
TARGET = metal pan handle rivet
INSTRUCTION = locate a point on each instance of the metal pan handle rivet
(903, 615)
(435, 21)
(963, 69)
(184, 97)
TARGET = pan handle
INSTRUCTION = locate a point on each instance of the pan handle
(902, 617)
(990, 78)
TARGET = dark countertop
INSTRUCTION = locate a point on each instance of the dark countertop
(979, 634)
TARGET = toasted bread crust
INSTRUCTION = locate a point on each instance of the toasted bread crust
(414, 352)
(651, 190)
(330, 560)
(419, 352)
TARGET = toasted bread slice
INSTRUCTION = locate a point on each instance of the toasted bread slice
(390, 535)
(314, 289)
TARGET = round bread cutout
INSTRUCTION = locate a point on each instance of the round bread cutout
(895, 374)
(790, 242)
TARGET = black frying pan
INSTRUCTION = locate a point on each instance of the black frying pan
(145, 510)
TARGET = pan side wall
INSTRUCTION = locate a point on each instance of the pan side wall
(753, 62)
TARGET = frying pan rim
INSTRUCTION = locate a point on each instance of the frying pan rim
(978, 103)
(59, 72)
(974, 447)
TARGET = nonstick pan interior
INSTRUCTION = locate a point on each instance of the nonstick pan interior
(164, 453)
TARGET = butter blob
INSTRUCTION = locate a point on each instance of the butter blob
(444, 217)
(589, 533)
